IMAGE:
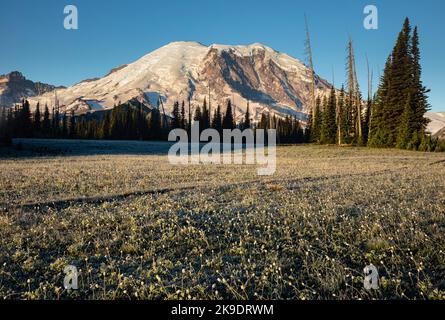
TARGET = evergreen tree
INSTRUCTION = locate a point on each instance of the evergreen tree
(246, 123)
(377, 128)
(5, 134)
(176, 123)
(37, 119)
(143, 125)
(228, 121)
(4, 139)
(183, 118)
(264, 121)
(217, 119)
(394, 122)
(341, 118)
(104, 128)
(398, 82)
(297, 131)
(205, 119)
(309, 126)
(198, 117)
(406, 129)
(317, 123)
(72, 126)
(3, 119)
(366, 121)
(115, 124)
(46, 123)
(55, 123)
(329, 127)
(419, 92)
(155, 124)
(358, 134)
(92, 129)
(189, 129)
(24, 120)
(64, 132)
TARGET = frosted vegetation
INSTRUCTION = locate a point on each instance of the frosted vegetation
(137, 227)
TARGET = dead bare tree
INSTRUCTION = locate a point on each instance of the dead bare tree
(190, 117)
(164, 120)
(358, 100)
(311, 70)
(354, 92)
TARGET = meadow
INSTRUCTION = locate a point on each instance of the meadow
(137, 227)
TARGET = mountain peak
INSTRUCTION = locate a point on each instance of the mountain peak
(184, 43)
(13, 76)
(271, 81)
(14, 87)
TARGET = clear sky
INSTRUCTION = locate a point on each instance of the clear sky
(115, 32)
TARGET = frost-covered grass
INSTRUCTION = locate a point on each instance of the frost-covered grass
(222, 231)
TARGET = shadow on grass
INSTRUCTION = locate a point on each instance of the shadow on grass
(30, 148)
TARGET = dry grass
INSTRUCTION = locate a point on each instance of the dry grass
(222, 231)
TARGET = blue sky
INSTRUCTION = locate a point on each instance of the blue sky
(113, 32)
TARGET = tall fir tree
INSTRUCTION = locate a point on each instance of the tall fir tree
(217, 120)
(246, 123)
(25, 120)
(397, 117)
(198, 115)
(72, 125)
(37, 119)
(317, 122)
(176, 123)
(398, 83)
(228, 121)
(328, 133)
(155, 124)
(189, 122)
(64, 129)
(46, 123)
(309, 126)
(104, 128)
(341, 118)
(378, 130)
(366, 121)
(183, 116)
(55, 127)
(264, 121)
(419, 92)
(205, 119)
(406, 129)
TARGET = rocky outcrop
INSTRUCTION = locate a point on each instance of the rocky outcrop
(14, 87)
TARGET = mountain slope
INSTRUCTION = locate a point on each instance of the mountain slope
(14, 86)
(437, 121)
(440, 134)
(182, 70)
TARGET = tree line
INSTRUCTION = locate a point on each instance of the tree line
(394, 117)
(136, 122)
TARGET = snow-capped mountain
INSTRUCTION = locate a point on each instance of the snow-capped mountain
(14, 87)
(269, 80)
(437, 121)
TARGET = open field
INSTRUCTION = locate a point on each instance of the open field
(137, 227)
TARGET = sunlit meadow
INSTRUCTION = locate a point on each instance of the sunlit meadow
(137, 227)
